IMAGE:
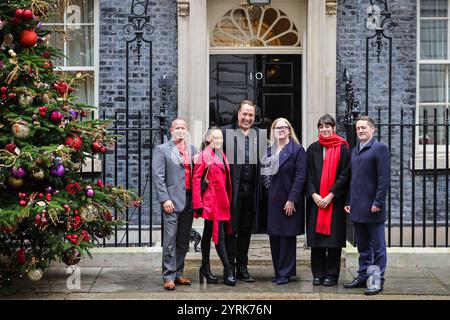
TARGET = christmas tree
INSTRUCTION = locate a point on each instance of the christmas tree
(47, 210)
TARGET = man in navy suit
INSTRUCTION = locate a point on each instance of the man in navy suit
(371, 175)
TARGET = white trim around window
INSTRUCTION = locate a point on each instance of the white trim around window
(429, 158)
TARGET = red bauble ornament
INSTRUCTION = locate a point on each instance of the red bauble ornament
(96, 146)
(23, 203)
(74, 141)
(27, 14)
(28, 38)
(4, 90)
(16, 20)
(37, 219)
(46, 55)
(56, 117)
(47, 65)
(19, 13)
(103, 150)
(21, 256)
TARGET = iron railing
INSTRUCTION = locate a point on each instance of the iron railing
(418, 198)
(129, 165)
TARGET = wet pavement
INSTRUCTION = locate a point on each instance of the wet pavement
(143, 283)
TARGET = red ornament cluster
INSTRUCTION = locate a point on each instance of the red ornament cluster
(42, 111)
(74, 141)
(23, 202)
(98, 147)
(5, 95)
(62, 87)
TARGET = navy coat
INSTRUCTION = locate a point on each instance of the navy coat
(371, 177)
(287, 184)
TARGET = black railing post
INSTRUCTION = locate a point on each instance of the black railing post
(163, 130)
(352, 110)
(352, 113)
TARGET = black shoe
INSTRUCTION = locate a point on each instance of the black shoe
(317, 281)
(373, 291)
(282, 280)
(275, 279)
(355, 283)
(205, 273)
(228, 277)
(329, 282)
(242, 274)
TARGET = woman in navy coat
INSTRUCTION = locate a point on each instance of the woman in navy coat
(284, 174)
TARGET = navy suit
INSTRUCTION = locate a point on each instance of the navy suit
(371, 176)
(287, 184)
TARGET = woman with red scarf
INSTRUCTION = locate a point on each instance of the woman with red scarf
(326, 191)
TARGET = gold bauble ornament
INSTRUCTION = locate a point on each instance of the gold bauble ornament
(15, 183)
(88, 213)
(25, 100)
(35, 274)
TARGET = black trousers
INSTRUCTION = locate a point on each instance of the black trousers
(326, 262)
(238, 243)
(220, 247)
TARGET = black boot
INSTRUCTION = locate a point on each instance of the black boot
(228, 277)
(205, 273)
(244, 275)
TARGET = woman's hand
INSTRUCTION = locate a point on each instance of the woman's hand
(289, 208)
(317, 198)
(326, 201)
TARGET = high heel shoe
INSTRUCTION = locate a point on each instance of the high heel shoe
(228, 277)
(205, 273)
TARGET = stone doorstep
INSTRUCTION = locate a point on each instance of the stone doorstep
(259, 255)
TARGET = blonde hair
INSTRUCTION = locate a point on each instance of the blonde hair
(292, 134)
(207, 137)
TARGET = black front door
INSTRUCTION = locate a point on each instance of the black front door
(272, 81)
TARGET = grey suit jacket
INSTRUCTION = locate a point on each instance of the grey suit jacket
(168, 174)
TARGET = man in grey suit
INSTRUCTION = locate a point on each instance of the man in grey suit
(172, 170)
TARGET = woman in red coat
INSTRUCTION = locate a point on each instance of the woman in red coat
(213, 203)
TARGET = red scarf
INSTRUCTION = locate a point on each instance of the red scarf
(330, 164)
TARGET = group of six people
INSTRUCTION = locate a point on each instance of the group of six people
(237, 175)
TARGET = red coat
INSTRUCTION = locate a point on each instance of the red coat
(216, 199)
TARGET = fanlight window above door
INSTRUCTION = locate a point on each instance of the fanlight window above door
(255, 27)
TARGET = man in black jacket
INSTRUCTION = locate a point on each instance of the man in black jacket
(242, 146)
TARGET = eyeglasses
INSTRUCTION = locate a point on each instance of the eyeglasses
(283, 128)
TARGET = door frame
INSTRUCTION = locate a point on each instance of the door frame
(318, 61)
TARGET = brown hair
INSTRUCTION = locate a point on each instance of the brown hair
(249, 102)
(368, 119)
(326, 119)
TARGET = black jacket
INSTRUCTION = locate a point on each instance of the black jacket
(235, 170)
(340, 190)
